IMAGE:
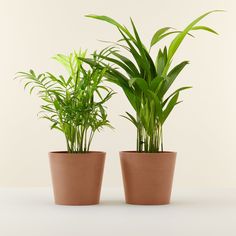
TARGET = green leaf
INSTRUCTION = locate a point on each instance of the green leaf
(171, 77)
(128, 62)
(167, 34)
(139, 43)
(63, 60)
(142, 84)
(147, 60)
(142, 65)
(131, 81)
(111, 21)
(158, 105)
(130, 118)
(161, 61)
(180, 37)
(170, 107)
(119, 63)
(175, 92)
(155, 83)
(204, 28)
(130, 95)
(157, 36)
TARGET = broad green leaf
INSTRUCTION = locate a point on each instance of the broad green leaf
(156, 83)
(142, 84)
(155, 98)
(171, 77)
(131, 81)
(161, 61)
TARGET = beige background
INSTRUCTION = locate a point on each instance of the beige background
(201, 130)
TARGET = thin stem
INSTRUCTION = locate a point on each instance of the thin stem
(90, 139)
(162, 144)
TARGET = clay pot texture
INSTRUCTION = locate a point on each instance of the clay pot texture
(77, 177)
(147, 177)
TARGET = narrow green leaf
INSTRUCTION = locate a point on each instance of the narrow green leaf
(128, 62)
(171, 77)
(161, 61)
(157, 36)
(180, 37)
(172, 94)
(130, 118)
(119, 63)
(204, 28)
(142, 84)
(157, 104)
(170, 107)
(111, 21)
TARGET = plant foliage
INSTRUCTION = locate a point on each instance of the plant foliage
(146, 81)
(74, 105)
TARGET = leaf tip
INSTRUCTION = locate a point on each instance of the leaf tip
(89, 15)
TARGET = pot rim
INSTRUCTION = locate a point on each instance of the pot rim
(77, 153)
(149, 153)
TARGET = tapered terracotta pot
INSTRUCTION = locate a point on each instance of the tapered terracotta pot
(77, 178)
(147, 177)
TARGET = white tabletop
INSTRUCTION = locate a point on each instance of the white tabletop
(31, 212)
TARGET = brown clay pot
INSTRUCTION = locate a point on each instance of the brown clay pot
(147, 177)
(77, 177)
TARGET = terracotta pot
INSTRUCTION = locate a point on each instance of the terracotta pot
(77, 177)
(147, 177)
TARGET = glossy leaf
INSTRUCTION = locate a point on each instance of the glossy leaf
(180, 37)
(157, 36)
(204, 28)
(170, 107)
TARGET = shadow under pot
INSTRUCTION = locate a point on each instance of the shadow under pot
(77, 177)
(147, 177)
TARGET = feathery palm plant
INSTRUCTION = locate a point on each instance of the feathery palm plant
(74, 105)
(145, 81)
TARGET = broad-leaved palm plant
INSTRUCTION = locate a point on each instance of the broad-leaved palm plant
(146, 82)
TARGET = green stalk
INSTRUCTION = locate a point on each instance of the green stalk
(90, 138)
(162, 143)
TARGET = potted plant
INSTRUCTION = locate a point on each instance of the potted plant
(148, 171)
(74, 106)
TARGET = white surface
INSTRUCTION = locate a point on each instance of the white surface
(193, 212)
(202, 129)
